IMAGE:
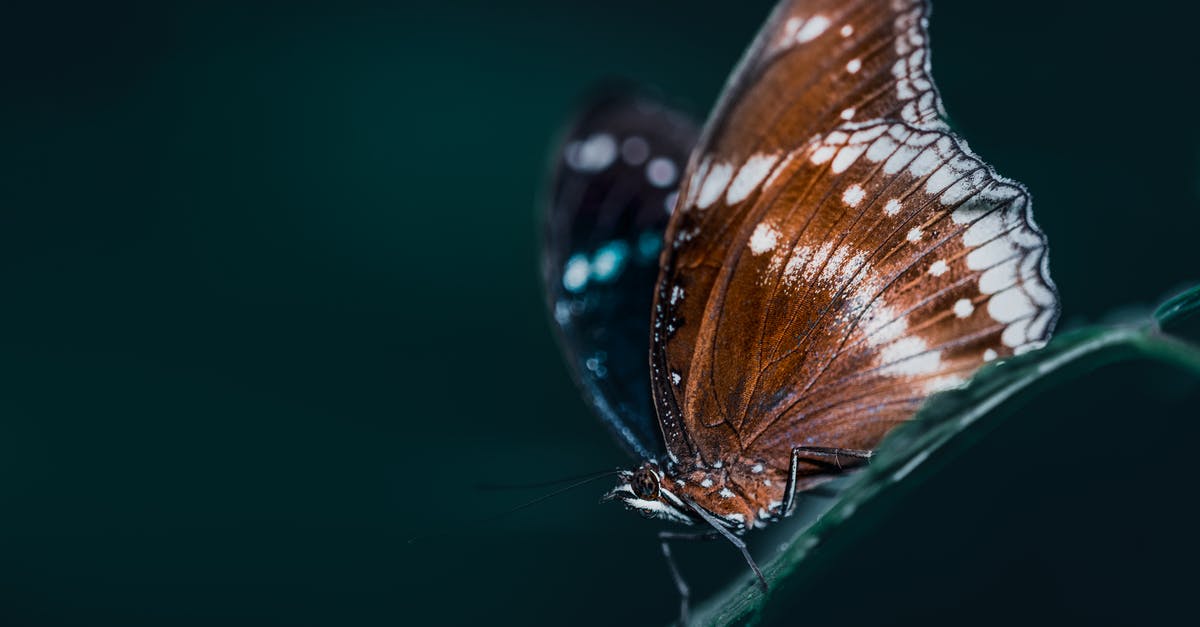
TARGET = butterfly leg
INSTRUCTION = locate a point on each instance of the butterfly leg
(827, 451)
(684, 592)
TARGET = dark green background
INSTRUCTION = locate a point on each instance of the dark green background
(269, 307)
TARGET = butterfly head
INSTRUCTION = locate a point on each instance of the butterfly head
(736, 494)
(646, 490)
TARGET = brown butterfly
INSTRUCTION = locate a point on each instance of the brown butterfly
(834, 255)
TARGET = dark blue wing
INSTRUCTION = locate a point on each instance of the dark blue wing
(614, 185)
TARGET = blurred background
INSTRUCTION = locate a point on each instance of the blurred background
(271, 308)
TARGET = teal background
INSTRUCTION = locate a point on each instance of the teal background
(269, 308)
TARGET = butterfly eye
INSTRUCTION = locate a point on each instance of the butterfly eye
(644, 484)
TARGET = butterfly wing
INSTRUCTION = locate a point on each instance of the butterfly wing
(838, 255)
(614, 184)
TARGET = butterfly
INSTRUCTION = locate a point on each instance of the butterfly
(834, 254)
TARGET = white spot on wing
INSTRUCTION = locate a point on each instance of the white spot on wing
(792, 26)
(881, 325)
(763, 239)
(1009, 306)
(853, 195)
(854, 66)
(834, 264)
(963, 308)
(984, 229)
(812, 29)
(999, 277)
(925, 162)
(749, 176)
(714, 184)
(892, 207)
(661, 172)
(1015, 336)
(576, 272)
(562, 312)
(823, 154)
(846, 157)
(593, 154)
(609, 260)
(635, 150)
(909, 356)
(939, 267)
(991, 253)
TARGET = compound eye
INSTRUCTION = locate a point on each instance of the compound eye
(644, 484)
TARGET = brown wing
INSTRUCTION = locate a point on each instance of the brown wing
(816, 64)
(837, 255)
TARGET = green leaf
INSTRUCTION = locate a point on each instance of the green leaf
(954, 420)
(1181, 315)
